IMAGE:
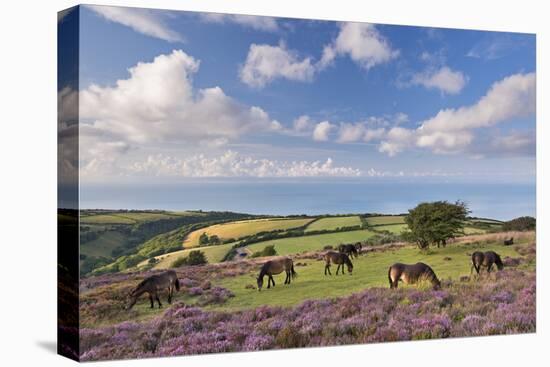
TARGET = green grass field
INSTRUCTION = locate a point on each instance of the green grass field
(393, 228)
(370, 270)
(214, 254)
(104, 244)
(296, 245)
(128, 218)
(244, 228)
(333, 223)
(385, 219)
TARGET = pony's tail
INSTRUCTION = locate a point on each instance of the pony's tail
(389, 276)
(177, 282)
(294, 274)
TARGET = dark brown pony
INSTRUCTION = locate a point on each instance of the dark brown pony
(509, 242)
(349, 250)
(276, 266)
(485, 260)
(358, 247)
(153, 285)
(412, 274)
(338, 258)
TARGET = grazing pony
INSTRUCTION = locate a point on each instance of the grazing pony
(509, 242)
(349, 250)
(338, 258)
(358, 247)
(485, 260)
(152, 285)
(276, 266)
(412, 274)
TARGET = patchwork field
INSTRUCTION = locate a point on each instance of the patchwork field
(385, 219)
(244, 228)
(214, 254)
(296, 245)
(332, 223)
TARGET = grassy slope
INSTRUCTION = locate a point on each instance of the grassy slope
(214, 254)
(393, 228)
(294, 245)
(385, 219)
(244, 228)
(128, 218)
(369, 270)
(103, 245)
(333, 223)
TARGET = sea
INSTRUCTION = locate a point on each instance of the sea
(502, 201)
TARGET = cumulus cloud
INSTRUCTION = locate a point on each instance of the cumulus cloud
(259, 23)
(233, 164)
(158, 103)
(362, 43)
(322, 130)
(444, 79)
(266, 63)
(145, 21)
(452, 130)
(372, 128)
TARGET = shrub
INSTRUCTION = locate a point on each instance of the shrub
(520, 224)
(195, 257)
(267, 251)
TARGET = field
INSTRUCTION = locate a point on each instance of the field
(220, 309)
(214, 254)
(244, 228)
(295, 245)
(385, 219)
(128, 217)
(393, 228)
(332, 223)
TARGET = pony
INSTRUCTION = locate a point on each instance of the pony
(152, 285)
(273, 267)
(340, 259)
(412, 274)
(349, 250)
(509, 242)
(358, 247)
(485, 260)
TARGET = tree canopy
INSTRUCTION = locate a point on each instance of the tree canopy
(436, 222)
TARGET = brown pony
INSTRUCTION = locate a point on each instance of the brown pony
(152, 285)
(338, 258)
(486, 260)
(348, 249)
(276, 266)
(412, 274)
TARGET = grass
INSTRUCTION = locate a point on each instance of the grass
(393, 228)
(104, 244)
(333, 223)
(244, 228)
(369, 271)
(385, 219)
(296, 245)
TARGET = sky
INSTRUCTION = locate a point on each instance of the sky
(182, 95)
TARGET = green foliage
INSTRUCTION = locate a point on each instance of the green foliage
(520, 224)
(203, 239)
(195, 257)
(436, 222)
(267, 251)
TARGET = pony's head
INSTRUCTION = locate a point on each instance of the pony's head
(498, 263)
(260, 283)
(350, 266)
(131, 300)
(436, 284)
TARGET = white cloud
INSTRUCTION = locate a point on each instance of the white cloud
(232, 164)
(260, 23)
(444, 79)
(158, 103)
(374, 134)
(452, 130)
(322, 130)
(145, 21)
(362, 42)
(372, 128)
(302, 123)
(266, 63)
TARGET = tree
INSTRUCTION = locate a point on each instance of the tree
(196, 257)
(520, 224)
(214, 240)
(436, 222)
(203, 239)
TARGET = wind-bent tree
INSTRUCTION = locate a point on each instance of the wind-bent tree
(435, 223)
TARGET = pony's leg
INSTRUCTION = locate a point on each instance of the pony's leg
(272, 280)
(327, 268)
(151, 299)
(338, 269)
(158, 299)
(170, 294)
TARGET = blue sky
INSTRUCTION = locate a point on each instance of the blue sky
(234, 96)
